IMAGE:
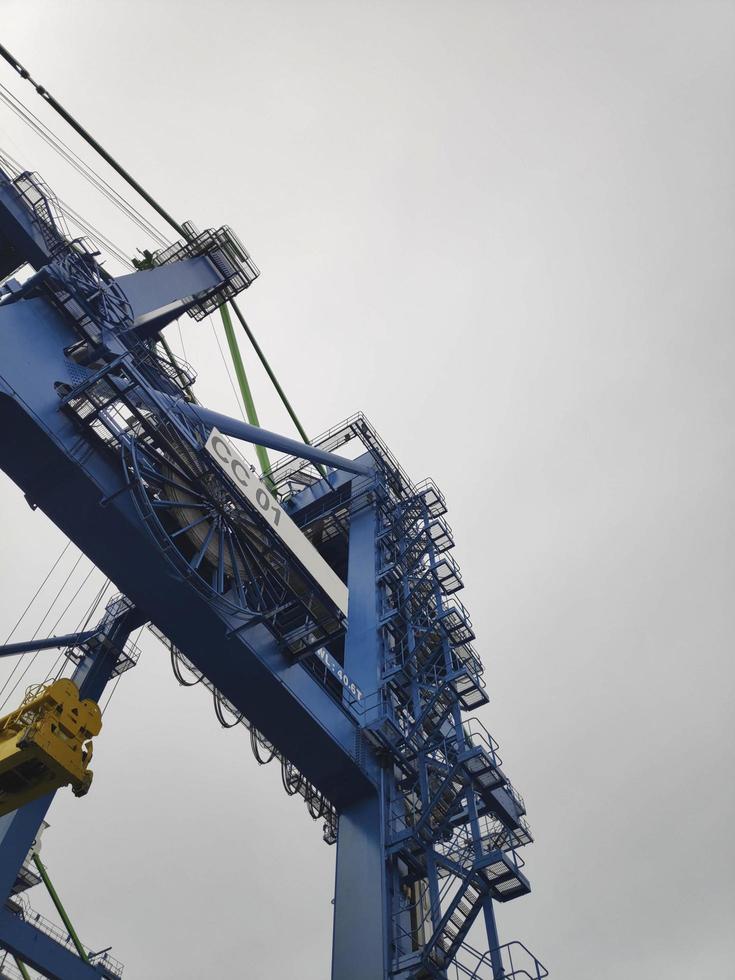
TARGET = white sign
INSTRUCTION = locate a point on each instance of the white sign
(334, 667)
(238, 470)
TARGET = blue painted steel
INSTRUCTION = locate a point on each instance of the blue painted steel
(360, 944)
(41, 451)
(52, 643)
(98, 429)
(271, 440)
(45, 954)
(154, 289)
(18, 830)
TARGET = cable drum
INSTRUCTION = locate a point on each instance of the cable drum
(82, 276)
(217, 544)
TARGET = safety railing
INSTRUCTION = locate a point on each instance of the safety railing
(8, 969)
(176, 369)
(515, 796)
(421, 913)
(226, 252)
(512, 961)
(21, 907)
(44, 206)
(478, 737)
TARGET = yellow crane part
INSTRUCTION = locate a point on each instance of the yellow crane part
(46, 744)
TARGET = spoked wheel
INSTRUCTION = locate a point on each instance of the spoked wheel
(208, 535)
(103, 297)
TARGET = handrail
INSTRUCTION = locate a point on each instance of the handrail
(21, 906)
(518, 963)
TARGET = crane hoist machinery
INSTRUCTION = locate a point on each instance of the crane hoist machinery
(317, 602)
(46, 743)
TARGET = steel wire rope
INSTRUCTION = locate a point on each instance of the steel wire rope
(12, 165)
(80, 170)
(117, 679)
(229, 375)
(35, 594)
(43, 620)
(81, 628)
(37, 652)
(153, 203)
(68, 605)
(96, 235)
(85, 170)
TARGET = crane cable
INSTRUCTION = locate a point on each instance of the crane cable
(53, 628)
(79, 165)
(45, 616)
(110, 160)
(14, 168)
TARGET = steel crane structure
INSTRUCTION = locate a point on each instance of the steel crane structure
(318, 605)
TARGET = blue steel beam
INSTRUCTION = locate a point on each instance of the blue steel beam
(154, 289)
(44, 954)
(41, 450)
(271, 440)
(52, 643)
(360, 946)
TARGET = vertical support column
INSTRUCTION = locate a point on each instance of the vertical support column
(359, 949)
(493, 940)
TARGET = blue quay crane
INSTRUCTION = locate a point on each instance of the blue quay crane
(318, 604)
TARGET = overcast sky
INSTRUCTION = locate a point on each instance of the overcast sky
(505, 231)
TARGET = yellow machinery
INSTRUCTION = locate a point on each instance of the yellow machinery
(46, 743)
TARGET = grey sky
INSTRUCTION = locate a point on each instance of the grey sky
(505, 231)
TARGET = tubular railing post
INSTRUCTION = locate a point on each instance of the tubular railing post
(59, 907)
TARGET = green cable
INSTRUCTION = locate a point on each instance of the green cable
(59, 907)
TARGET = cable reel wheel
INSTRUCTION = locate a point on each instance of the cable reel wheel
(82, 278)
(203, 529)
